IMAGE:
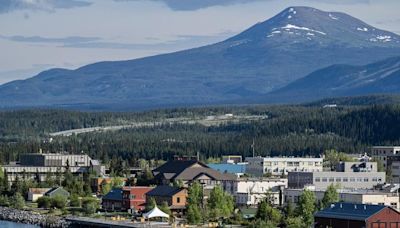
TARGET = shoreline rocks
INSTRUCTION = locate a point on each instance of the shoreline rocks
(29, 217)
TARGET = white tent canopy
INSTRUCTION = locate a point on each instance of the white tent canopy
(155, 212)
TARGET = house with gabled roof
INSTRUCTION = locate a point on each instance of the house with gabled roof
(175, 197)
(357, 216)
(188, 171)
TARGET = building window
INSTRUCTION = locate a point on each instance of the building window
(338, 179)
(317, 179)
(178, 200)
(132, 196)
(352, 179)
(374, 179)
(366, 179)
(324, 179)
(345, 179)
(359, 179)
(331, 179)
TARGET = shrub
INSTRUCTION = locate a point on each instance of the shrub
(44, 202)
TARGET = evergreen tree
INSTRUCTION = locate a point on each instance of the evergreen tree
(195, 203)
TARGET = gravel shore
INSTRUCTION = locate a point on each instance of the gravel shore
(28, 217)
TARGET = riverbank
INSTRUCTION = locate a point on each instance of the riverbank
(29, 217)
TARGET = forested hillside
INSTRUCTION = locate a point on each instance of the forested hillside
(288, 130)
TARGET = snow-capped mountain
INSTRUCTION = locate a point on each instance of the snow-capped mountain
(265, 57)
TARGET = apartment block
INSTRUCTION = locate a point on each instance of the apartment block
(258, 166)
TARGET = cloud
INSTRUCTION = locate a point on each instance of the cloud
(189, 5)
(43, 5)
(39, 39)
(180, 41)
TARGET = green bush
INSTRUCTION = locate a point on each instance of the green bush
(44, 202)
(58, 202)
(90, 205)
(4, 201)
(18, 201)
(75, 201)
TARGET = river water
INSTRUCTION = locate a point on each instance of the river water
(7, 224)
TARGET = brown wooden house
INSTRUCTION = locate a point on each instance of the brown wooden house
(174, 196)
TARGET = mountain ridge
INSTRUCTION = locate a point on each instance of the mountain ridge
(267, 56)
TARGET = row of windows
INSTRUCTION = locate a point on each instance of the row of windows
(347, 179)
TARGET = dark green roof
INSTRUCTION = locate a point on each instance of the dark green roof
(349, 211)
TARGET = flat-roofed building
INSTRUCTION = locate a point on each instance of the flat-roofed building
(386, 154)
(321, 180)
(363, 196)
(395, 169)
(250, 192)
(38, 166)
(258, 166)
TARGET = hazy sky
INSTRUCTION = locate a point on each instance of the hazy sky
(40, 34)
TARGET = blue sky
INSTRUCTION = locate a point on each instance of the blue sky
(40, 34)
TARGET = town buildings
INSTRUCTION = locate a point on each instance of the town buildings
(188, 171)
(354, 175)
(250, 192)
(38, 166)
(390, 158)
(357, 196)
(134, 197)
(35, 193)
(341, 215)
(386, 154)
(175, 197)
(259, 166)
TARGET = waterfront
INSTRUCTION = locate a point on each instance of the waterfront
(7, 224)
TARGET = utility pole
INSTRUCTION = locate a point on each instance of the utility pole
(252, 146)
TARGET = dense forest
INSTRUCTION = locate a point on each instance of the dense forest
(288, 130)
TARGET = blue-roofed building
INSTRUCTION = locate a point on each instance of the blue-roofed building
(356, 216)
(237, 169)
(112, 201)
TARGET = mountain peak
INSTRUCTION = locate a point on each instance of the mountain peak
(299, 24)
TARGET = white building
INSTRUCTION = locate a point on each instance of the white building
(350, 196)
(258, 166)
(251, 191)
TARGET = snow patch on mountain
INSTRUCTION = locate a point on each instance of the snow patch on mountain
(363, 29)
(333, 17)
(290, 26)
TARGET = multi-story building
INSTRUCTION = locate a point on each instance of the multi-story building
(258, 166)
(355, 175)
(386, 154)
(395, 169)
(38, 166)
(363, 196)
(251, 191)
